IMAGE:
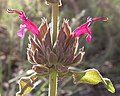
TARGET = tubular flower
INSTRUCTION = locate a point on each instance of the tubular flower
(84, 28)
(25, 24)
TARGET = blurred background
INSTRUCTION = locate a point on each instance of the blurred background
(103, 53)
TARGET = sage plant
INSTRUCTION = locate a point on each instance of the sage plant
(52, 51)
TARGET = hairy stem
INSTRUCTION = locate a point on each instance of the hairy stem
(53, 83)
(55, 11)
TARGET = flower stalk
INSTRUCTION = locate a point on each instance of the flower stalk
(55, 12)
(53, 82)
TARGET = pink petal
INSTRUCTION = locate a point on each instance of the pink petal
(83, 29)
(89, 19)
(20, 32)
(22, 16)
(88, 38)
(31, 26)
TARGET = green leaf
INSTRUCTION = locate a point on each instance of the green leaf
(109, 85)
(92, 76)
(26, 84)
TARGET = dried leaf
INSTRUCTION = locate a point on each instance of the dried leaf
(70, 42)
(36, 57)
(43, 28)
(33, 44)
(67, 28)
(53, 57)
(47, 40)
(30, 56)
(61, 36)
(40, 69)
(77, 59)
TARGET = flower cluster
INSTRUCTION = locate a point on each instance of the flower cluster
(63, 52)
(58, 56)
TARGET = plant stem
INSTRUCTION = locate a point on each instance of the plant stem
(1, 89)
(55, 11)
(53, 83)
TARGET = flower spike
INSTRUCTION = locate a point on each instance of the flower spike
(84, 28)
(25, 24)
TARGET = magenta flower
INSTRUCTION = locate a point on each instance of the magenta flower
(84, 28)
(25, 24)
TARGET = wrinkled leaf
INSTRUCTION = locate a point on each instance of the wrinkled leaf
(26, 84)
(92, 76)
